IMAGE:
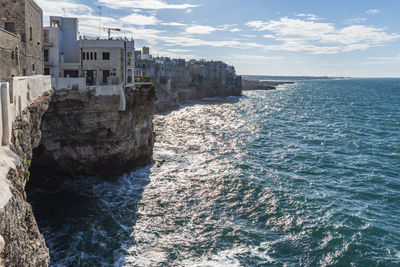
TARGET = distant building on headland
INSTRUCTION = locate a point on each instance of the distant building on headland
(21, 25)
(178, 79)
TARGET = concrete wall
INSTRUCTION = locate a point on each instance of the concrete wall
(68, 32)
(98, 90)
(54, 41)
(17, 94)
(68, 83)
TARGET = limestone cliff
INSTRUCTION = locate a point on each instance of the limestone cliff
(21, 243)
(178, 93)
(86, 135)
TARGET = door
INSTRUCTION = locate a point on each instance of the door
(106, 74)
(90, 77)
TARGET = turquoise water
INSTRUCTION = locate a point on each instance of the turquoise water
(306, 175)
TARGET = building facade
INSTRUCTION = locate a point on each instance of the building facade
(23, 20)
(99, 61)
(106, 62)
(61, 47)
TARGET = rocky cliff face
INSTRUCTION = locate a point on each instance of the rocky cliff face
(21, 243)
(169, 99)
(86, 135)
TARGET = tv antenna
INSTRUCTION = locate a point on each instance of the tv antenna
(99, 22)
(63, 9)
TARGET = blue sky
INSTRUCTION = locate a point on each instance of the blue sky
(359, 38)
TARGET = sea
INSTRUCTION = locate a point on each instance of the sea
(305, 175)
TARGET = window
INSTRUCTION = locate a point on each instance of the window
(83, 56)
(12, 54)
(9, 26)
(56, 23)
(30, 34)
(46, 36)
(95, 55)
(129, 58)
(33, 67)
(46, 55)
(106, 55)
(91, 55)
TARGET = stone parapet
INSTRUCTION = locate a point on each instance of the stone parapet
(16, 95)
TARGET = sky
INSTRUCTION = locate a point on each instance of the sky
(357, 38)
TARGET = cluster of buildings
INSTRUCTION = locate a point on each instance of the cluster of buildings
(107, 66)
(27, 48)
(175, 76)
(100, 61)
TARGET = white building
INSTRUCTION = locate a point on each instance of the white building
(106, 62)
(61, 47)
(100, 61)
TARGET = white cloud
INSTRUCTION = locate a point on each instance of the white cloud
(321, 38)
(144, 4)
(173, 54)
(188, 11)
(373, 11)
(142, 33)
(355, 20)
(382, 60)
(177, 24)
(200, 29)
(235, 30)
(249, 35)
(194, 42)
(138, 19)
(269, 36)
(258, 57)
(176, 50)
(308, 16)
(59, 8)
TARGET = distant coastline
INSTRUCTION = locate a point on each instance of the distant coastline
(289, 78)
(252, 85)
(263, 82)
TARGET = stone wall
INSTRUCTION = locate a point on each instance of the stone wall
(21, 243)
(13, 11)
(27, 18)
(11, 57)
(34, 42)
(16, 95)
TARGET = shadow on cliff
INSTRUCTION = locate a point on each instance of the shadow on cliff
(87, 221)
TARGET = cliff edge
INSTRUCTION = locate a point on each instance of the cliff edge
(87, 135)
(21, 243)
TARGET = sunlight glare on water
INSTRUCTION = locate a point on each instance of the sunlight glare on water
(304, 175)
